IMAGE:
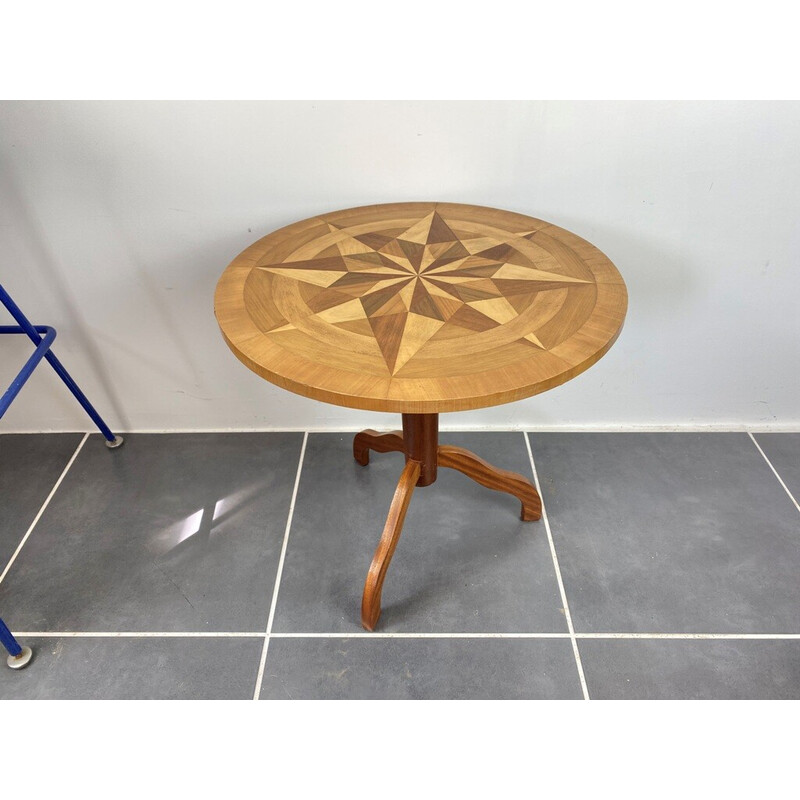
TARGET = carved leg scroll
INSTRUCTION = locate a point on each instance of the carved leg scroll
(371, 601)
(493, 478)
(379, 442)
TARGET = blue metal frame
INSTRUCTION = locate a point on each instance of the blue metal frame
(43, 350)
(30, 364)
(43, 345)
(8, 641)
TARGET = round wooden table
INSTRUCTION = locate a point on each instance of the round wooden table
(421, 308)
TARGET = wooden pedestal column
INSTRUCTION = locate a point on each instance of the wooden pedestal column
(421, 440)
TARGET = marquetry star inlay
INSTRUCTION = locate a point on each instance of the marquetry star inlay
(404, 288)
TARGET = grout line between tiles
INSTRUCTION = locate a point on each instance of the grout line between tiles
(391, 635)
(785, 487)
(265, 649)
(361, 635)
(143, 634)
(688, 635)
(44, 506)
(568, 616)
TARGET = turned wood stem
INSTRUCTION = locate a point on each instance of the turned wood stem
(421, 437)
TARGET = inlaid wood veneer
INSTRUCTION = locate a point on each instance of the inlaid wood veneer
(420, 307)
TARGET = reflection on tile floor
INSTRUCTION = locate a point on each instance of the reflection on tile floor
(655, 534)
(171, 532)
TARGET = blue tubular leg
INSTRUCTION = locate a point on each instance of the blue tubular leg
(18, 657)
(43, 351)
(8, 641)
(38, 354)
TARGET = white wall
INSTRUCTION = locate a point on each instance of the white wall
(117, 218)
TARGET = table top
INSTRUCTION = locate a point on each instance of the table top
(420, 307)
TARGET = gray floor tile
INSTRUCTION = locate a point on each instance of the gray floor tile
(783, 450)
(691, 669)
(30, 464)
(465, 561)
(142, 668)
(417, 669)
(170, 532)
(670, 533)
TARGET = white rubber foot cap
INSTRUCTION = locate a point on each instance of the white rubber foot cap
(22, 660)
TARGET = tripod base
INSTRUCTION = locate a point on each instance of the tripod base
(419, 442)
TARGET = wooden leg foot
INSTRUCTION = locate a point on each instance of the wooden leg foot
(493, 478)
(371, 601)
(379, 442)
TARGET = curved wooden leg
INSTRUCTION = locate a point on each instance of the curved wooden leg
(379, 442)
(371, 600)
(493, 478)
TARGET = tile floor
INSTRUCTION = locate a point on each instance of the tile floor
(230, 565)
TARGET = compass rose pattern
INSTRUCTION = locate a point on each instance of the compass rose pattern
(419, 307)
(404, 288)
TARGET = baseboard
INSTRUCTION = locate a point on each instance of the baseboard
(716, 427)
